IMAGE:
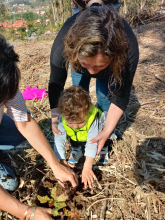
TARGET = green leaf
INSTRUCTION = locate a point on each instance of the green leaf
(55, 212)
(44, 199)
(54, 193)
(62, 198)
(59, 205)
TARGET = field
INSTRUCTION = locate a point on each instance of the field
(132, 184)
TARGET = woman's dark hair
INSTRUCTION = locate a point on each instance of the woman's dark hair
(97, 30)
(9, 72)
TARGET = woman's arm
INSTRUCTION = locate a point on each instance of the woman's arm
(32, 132)
(55, 114)
(56, 85)
(18, 209)
(113, 116)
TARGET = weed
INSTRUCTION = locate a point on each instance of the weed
(59, 203)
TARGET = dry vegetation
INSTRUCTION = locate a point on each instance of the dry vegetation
(132, 184)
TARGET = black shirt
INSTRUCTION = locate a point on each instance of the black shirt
(59, 73)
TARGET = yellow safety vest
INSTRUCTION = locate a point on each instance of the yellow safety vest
(80, 134)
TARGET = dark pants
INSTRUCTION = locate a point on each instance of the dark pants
(9, 135)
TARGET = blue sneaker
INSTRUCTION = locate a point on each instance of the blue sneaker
(103, 156)
(8, 179)
(75, 155)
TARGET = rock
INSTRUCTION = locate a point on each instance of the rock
(47, 33)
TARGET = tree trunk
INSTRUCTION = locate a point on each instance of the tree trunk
(143, 2)
(125, 7)
(54, 13)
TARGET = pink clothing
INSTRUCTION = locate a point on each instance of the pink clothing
(33, 93)
(16, 108)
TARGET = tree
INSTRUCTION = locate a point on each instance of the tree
(61, 9)
(30, 16)
(3, 12)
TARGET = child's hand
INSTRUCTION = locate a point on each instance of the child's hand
(88, 177)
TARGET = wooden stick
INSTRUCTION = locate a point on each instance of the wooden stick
(148, 208)
(160, 78)
(102, 215)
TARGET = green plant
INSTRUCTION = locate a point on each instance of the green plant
(58, 202)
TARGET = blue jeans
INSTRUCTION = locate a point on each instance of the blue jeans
(9, 135)
(102, 91)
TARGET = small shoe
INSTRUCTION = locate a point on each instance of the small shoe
(75, 155)
(103, 156)
(8, 179)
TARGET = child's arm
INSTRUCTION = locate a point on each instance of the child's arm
(88, 175)
(60, 141)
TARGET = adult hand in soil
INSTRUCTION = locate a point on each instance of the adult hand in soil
(64, 174)
(88, 177)
(55, 121)
(42, 214)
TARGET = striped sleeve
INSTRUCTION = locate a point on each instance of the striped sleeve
(16, 108)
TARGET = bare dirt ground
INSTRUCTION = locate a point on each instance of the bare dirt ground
(135, 175)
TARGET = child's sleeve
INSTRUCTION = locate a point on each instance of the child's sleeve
(60, 141)
(91, 149)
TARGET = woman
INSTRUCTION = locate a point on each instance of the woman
(96, 43)
(24, 127)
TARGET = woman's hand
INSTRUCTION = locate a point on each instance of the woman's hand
(63, 173)
(88, 177)
(18, 209)
(101, 139)
(55, 121)
(42, 214)
(113, 116)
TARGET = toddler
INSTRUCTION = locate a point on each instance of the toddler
(79, 121)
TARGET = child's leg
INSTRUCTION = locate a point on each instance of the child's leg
(103, 156)
(76, 154)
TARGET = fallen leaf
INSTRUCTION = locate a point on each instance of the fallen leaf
(161, 101)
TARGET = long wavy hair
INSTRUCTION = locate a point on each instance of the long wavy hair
(97, 30)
